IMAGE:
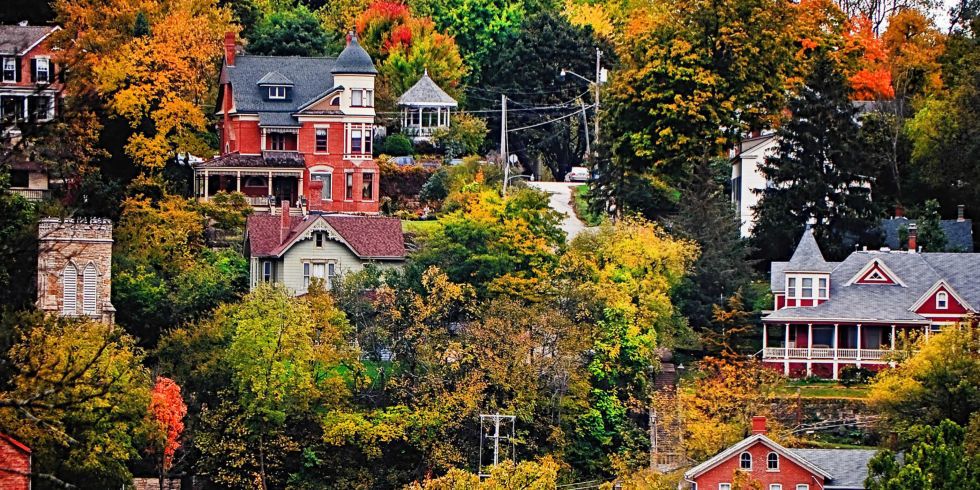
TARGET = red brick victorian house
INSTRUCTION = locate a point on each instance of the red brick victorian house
(296, 129)
(775, 467)
(831, 315)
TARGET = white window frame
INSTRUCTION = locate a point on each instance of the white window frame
(277, 92)
(775, 486)
(802, 486)
(349, 186)
(9, 64)
(819, 286)
(357, 98)
(741, 461)
(268, 271)
(365, 138)
(326, 194)
(327, 272)
(360, 141)
(942, 300)
(768, 460)
(724, 486)
(46, 63)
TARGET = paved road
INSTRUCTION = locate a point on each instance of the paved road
(561, 197)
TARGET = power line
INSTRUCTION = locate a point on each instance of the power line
(566, 116)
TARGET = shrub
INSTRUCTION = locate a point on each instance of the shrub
(398, 145)
(853, 375)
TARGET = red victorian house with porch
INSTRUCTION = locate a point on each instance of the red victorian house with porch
(831, 315)
(295, 129)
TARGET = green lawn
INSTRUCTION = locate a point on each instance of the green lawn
(419, 227)
(823, 389)
(582, 206)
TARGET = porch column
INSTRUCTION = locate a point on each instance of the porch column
(270, 183)
(765, 339)
(893, 337)
(299, 194)
(809, 341)
(238, 180)
(859, 345)
(207, 177)
(834, 344)
(786, 352)
(262, 142)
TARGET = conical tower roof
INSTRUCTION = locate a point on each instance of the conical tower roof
(807, 257)
(354, 60)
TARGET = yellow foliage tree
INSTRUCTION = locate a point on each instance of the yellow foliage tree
(526, 475)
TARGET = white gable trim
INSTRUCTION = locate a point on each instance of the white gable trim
(941, 284)
(39, 41)
(317, 224)
(317, 99)
(871, 265)
(747, 443)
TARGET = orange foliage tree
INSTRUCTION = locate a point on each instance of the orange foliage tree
(168, 409)
(873, 79)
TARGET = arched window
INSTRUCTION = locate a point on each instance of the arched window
(942, 300)
(745, 461)
(69, 290)
(90, 279)
(772, 462)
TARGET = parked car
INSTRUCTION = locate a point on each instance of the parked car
(403, 161)
(578, 174)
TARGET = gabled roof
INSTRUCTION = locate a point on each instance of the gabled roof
(749, 442)
(310, 77)
(878, 267)
(368, 237)
(943, 285)
(18, 40)
(425, 93)
(328, 92)
(848, 466)
(15, 443)
(353, 60)
(959, 234)
(274, 78)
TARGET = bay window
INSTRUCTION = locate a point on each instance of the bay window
(807, 286)
(322, 270)
(360, 139)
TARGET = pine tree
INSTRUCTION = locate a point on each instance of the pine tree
(932, 238)
(819, 175)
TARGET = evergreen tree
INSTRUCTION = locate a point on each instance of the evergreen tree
(931, 236)
(295, 32)
(819, 175)
(937, 460)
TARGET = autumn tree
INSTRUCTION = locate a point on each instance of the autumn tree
(77, 394)
(293, 32)
(818, 173)
(938, 458)
(167, 409)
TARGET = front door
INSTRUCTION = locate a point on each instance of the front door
(284, 188)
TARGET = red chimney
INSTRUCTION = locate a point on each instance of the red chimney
(899, 211)
(286, 222)
(315, 190)
(759, 425)
(230, 48)
(960, 213)
(912, 236)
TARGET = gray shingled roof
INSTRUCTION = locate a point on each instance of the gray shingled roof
(425, 93)
(310, 77)
(959, 234)
(354, 60)
(808, 257)
(848, 466)
(274, 78)
(918, 271)
(16, 39)
(278, 119)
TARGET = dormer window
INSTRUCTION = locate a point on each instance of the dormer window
(807, 286)
(277, 92)
(942, 300)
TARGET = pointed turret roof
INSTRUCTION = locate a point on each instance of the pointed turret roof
(354, 60)
(807, 257)
(425, 93)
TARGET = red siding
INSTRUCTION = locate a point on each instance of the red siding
(789, 474)
(15, 465)
(887, 279)
(954, 307)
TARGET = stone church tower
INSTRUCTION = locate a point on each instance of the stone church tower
(74, 268)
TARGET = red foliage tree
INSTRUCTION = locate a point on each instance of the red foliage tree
(168, 409)
(873, 79)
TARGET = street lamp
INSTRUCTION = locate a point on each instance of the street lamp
(600, 77)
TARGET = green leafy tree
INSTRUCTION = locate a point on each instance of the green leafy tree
(937, 459)
(18, 247)
(464, 136)
(818, 175)
(78, 395)
(293, 32)
(930, 232)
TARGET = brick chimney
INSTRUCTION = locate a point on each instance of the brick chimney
(313, 193)
(899, 211)
(759, 425)
(285, 221)
(960, 213)
(912, 237)
(230, 48)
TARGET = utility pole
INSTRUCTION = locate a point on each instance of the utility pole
(598, 81)
(493, 421)
(503, 140)
(585, 125)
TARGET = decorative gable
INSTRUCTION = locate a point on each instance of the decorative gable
(876, 273)
(941, 299)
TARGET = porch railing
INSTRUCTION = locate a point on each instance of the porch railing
(30, 194)
(803, 353)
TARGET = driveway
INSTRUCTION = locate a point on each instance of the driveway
(561, 198)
